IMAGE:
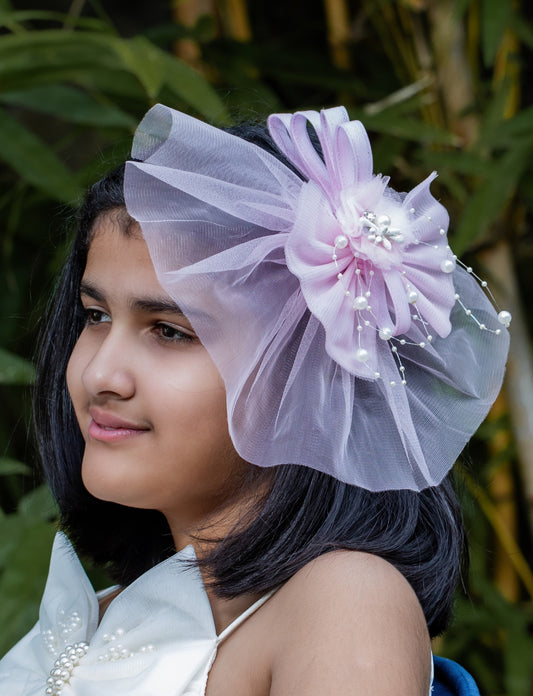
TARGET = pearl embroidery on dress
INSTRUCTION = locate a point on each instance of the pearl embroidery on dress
(116, 650)
(66, 625)
(61, 672)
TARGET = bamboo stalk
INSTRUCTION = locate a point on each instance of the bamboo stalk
(187, 13)
(503, 492)
(453, 70)
(519, 378)
(236, 20)
(338, 23)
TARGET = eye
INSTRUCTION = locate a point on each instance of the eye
(95, 316)
(169, 333)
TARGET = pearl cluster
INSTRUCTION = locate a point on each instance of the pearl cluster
(61, 672)
(116, 650)
(67, 624)
(380, 231)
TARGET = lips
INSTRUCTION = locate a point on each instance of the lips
(107, 427)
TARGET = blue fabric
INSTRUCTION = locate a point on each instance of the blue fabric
(452, 680)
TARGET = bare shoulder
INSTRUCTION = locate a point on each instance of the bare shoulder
(353, 625)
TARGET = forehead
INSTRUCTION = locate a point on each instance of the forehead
(118, 260)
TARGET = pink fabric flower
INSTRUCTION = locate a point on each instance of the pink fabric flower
(373, 265)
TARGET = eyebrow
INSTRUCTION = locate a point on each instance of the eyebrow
(154, 304)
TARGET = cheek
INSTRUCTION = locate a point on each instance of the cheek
(74, 374)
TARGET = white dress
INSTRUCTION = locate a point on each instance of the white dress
(156, 637)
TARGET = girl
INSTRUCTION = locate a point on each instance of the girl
(260, 364)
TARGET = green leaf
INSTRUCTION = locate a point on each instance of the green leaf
(38, 505)
(523, 29)
(34, 161)
(103, 61)
(406, 128)
(23, 578)
(144, 60)
(7, 18)
(490, 200)
(495, 16)
(14, 369)
(12, 466)
(458, 161)
(193, 89)
(69, 104)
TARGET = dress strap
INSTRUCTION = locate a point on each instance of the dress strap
(240, 619)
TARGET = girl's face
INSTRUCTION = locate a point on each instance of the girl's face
(149, 401)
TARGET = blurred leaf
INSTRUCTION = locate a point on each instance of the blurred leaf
(38, 505)
(12, 466)
(459, 161)
(494, 22)
(518, 663)
(14, 369)
(489, 201)
(405, 128)
(7, 17)
(69, 104)
(523, 29)
(34, 161)
(105, 62)
(24, 576)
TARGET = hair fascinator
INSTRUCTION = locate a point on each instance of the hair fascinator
(349, 337)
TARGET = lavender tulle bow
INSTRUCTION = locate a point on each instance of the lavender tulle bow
(347, 336)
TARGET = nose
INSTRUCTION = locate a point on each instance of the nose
(109, 371)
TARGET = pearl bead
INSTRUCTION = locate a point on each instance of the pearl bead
(385, 333)
(361, 355)
(384, 220)
(412, 296)
(447, 266)
(341, 242)
(505, 318)
(360, 302)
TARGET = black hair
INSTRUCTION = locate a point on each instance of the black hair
(302, 514)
